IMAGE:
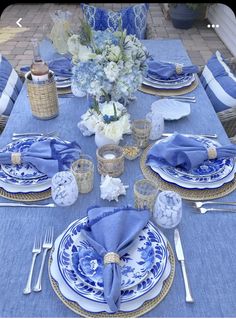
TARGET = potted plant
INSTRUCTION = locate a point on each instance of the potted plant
(183, 15)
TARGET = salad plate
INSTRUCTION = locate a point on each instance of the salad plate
(150, 257)
(210, 174)
(88, 265)
(171, 109)
(92, 305)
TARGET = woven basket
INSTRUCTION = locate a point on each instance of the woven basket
(113, 167)
(43, 97)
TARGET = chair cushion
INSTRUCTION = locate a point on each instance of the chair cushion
(219, 83)
(10, 86)
(134, 18)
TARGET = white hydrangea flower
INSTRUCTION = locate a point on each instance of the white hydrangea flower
(114, 53)
(85, 53)
(112, 71)
(107, 108)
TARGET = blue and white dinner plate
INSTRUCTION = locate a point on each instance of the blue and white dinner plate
(87, 301)
(168, 86)
(25, 171)
(77, 260)
(210, 174)
(181, 79)
(23, 178)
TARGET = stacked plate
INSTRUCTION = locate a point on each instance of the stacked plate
(62, 82)
(175, 82)
(23, 178)
(211, 174)
(78, 269)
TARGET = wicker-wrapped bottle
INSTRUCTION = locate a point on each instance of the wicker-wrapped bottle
(42, 90)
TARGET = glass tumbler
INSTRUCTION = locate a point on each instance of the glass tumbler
(64, 188)
(141, 131)
(145, 193)
(167, 211)
(83, 170)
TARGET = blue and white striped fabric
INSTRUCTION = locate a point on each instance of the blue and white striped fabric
(10, 86)
(219, 83)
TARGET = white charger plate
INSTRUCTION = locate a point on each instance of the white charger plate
(171, 109)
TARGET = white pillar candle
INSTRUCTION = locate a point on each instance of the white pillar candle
(109, 156)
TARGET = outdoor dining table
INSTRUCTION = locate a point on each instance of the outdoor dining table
(209, 240)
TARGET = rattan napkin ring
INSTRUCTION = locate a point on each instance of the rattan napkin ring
(179, 68)
(212, 152)
(111, 258)
(16, 158)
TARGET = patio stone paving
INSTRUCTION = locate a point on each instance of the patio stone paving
(15, 42)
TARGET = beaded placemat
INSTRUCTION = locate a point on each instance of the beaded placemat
(26, 197)
(166, 92)
(190, 194)
(146, 307)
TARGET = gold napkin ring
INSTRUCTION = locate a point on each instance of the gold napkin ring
(111, 258)
(212, 152)
(16, 158)
(179, 68)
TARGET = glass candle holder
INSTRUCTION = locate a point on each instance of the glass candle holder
(168, 209)
(141, 131)
(110, 160)
(157, 125)
(83, 170)
(145, 193)
(64, 188)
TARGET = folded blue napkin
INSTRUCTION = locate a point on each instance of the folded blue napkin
(184, 151)
(60, 66)
(165, 70)
(48, 156)
(113, 230)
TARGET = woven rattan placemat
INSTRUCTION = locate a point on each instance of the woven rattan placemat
(26, 197)
(166, 92)
(147, 306)
(190, 194)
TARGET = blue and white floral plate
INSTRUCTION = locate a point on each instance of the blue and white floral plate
(170, 86)
(78, 260)
(173, 79)
(25, 171)
(24, 178)
(182, 79)
(88, 301)
(210, 174)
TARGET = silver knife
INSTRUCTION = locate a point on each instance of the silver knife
(203, 135)
(180, 257)
(26, 205)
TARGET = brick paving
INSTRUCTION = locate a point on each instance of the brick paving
(15, 42)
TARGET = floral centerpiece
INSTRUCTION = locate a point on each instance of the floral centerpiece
(107, 120)
(107, 65)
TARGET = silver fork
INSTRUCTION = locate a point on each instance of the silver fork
(16, 136)
(200, 204)
(35, 251)
(203, 210)
(47, 244)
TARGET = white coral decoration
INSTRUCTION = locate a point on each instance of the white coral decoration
(111, 188)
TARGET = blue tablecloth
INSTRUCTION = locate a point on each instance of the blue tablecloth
(209, 240)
